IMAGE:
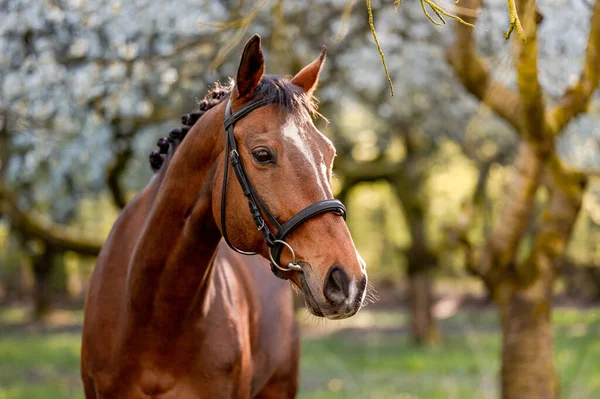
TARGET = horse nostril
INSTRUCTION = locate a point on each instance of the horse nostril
(336, 286)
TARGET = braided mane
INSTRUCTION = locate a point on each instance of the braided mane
(215, 95)
(274, 89)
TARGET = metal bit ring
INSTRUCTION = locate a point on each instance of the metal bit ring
(292, 265)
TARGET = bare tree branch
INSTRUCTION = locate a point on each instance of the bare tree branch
(500, 253)
(379, 49)
(576, 99)
(367, 171)
(515, 23)
(53, 234)
(474, 74)
(530, 91)
(113, 177)
(556, 224)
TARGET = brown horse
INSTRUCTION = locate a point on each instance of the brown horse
(172, 311)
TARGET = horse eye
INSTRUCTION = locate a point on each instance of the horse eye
(262, 155)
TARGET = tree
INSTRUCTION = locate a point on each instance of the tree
(522, 286)
(79, 85)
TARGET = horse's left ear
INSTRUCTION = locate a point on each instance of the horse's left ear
(308, 77)
(251, 69)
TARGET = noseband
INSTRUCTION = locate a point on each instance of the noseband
(275, 242)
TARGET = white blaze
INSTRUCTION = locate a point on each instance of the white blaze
(291, 132)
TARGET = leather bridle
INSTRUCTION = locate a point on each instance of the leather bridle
(276, 241)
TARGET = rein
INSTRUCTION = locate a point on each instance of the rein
(276, 242)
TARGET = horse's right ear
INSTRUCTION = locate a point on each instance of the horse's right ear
(251, 69)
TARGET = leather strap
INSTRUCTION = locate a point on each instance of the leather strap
(231, 119)
(328, 205)
(233, 157)
(256, 205)
(318, 208)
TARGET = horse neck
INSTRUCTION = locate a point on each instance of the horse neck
(173, 257)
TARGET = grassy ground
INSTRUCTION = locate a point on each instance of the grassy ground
(368, 356)
(382, 363)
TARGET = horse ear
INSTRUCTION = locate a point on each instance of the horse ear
(308, 77)
(251, 69)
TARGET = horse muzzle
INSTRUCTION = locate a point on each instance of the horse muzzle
(338, 297)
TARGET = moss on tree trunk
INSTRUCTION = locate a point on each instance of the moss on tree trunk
(523, 289)
(527, 359)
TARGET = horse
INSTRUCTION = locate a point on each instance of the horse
(175, 307)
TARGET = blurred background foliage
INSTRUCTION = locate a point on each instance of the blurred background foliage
(87, 87)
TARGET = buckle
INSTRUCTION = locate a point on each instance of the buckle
(234, 157)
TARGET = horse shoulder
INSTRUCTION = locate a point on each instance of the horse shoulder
(271, 324)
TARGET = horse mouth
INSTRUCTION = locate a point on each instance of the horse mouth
(309, 300)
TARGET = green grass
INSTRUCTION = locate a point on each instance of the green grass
(39, 366)
(466, 365)
(370, 358)
(377, 364)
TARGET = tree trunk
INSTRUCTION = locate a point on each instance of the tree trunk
(525, 300)
(59, 280)
(408, 185)
(523, 289)
(527, 360)
(421, 262)
(422, 323)
(122, 148)
(42, 271)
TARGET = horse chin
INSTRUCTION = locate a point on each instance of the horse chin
(309, 300)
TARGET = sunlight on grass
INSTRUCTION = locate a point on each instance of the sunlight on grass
(376, 367)
(13, 315)
(369, 356)
(21, 314)
(377, 364)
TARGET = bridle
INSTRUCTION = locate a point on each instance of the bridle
(275, 242)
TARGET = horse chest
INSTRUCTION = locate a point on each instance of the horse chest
(208, 370)
(215, 354)
(224, 346)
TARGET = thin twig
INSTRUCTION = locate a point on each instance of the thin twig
(372, 27)
(344, 21)
(515, 22)
(439, 16)
(396, 5)
(429, 16)
(439, 10)
(242, 26)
